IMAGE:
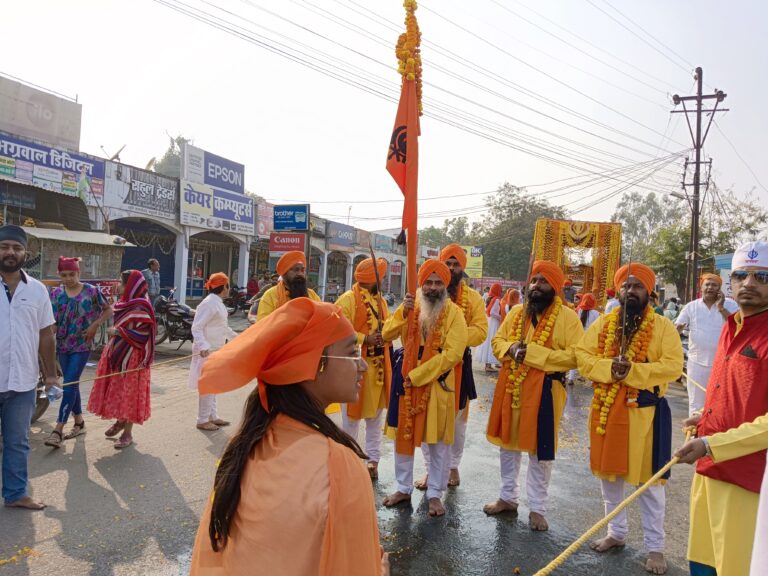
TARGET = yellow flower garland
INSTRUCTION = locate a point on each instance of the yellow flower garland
(637, 350)
(408, 49)
(518, 372)
(373, 324)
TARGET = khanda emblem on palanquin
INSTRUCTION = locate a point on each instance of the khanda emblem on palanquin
(397, 146)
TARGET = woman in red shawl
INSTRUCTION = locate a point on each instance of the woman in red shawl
(125, 397)
(493, 311)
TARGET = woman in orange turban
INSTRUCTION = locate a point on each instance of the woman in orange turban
(587, 314)
(305, 357)
(511, 299)
(493, 311)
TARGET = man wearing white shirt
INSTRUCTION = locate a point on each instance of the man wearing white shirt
(704, 319)
(612, 302)
(211, 331)
(26, 318)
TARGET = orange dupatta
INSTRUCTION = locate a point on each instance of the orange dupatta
(609, 452)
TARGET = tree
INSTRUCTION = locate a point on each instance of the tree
(170, 164)
(453, 230)
(642, 216)
(506, 231)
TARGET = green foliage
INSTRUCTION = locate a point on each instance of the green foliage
(453, 230)
(642, 217)
(170, 164)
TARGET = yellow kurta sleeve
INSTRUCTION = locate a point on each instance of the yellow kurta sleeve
(394, 325)
(748, 438)
(665, 359)
(454, 343)
(347, 303)
(268, 303)
(502, 341)
(313, 295)
(566, 333)
(477, 326)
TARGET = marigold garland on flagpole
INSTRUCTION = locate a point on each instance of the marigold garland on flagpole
(408, 49)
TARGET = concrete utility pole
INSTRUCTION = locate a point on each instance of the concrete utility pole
(698, 142)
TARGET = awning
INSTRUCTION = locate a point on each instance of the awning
(74, 236)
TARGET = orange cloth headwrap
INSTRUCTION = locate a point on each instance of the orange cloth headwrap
(639, 271)
(710, 276)
(454, 251)
(365, 274)
(434, 266)
(289, 260)
(216, 280)
(587, 302)
(551, 272)
(283, 348)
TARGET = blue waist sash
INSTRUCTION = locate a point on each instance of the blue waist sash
(545, 420)
(398, 389)
(468, 390)
(662, 428)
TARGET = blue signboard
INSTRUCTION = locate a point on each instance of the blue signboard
(291, 217)
(222, 173)
(340, 237)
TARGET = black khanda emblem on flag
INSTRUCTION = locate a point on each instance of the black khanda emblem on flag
(397, 146)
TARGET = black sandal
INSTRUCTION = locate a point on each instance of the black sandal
(52, 442)
(77, 429)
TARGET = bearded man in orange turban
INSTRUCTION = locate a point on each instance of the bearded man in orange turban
(422, 407)
(535, 344)
(471, 303)
(292, 268)
(631, 355)
(365, 308)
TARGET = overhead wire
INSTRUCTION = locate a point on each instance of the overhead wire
(740, 157)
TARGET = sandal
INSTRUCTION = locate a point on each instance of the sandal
(124, 441)
(115, 429)
(208, 427)
(77, 429)
(54, 440)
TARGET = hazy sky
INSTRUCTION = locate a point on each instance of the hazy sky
(595, 103)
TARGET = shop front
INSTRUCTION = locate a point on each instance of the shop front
(396, 284)
(340, 244)
(211, 252)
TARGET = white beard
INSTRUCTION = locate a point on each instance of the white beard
(429, 312)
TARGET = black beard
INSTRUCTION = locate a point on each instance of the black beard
(433, 297)
(539, 301)
(634, 309)
(297, 288)
(453, 286)
(374, 289)
(11, 269)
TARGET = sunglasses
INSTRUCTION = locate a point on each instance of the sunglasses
(760, 276)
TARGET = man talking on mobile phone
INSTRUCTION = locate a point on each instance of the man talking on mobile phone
(704, 319)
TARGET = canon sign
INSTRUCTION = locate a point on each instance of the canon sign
(286, 242)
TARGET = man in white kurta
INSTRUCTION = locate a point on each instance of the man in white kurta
(211, 331)
(704, 319)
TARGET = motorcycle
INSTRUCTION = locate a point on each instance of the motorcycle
(237, 300)
(174, 320)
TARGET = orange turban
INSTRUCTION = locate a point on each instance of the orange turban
(216, 280)
(587, 302)
(513, 296)
(283, 348)
(454, 251)
(289, 260)
(434, 266)
(709, 276)
(551, 271)
(639, 271)
(365, 274)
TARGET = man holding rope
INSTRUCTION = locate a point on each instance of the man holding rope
(631, 354)
(733, 429)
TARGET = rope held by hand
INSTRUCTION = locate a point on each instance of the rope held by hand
(81, 381)
(565, 554)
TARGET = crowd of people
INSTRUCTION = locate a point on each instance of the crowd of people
(306, 356)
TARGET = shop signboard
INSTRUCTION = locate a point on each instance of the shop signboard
(264, 218)
(340, 237)
(51, 168)
(282, 242)
(291, 217)
(397, 268)
(317, 226)
(427, 252)
(363, 239)
(207, 207)
(130, 191)
(203, 167)
(382, 243)
(18, 198)
(474, 268)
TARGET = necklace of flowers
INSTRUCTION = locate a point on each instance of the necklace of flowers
(541, 334)
(373, 325)
(463, 299)
(432, 343)
(607, 347)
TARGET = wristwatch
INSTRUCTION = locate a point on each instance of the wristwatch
(706, 445)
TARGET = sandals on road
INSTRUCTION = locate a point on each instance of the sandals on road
(115, 429)
(124, 441)
(54, 440)
(77, 429)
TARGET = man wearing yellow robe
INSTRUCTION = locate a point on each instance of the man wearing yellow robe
(472, 306)
(536, 344)
(434, 336)
(364, 307)
(631, 358)
(292, 268)
(733, 431)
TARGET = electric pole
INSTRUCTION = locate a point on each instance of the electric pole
(698, 143)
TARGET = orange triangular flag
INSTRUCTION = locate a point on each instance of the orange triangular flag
(403, 155)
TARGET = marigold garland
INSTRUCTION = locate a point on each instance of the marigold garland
(463, 300)
(518, 372)
(607, 347)
(373, 324)
(408, 49)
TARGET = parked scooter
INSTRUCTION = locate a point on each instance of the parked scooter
(174, 320)
(237, 300)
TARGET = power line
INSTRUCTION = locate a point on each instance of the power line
(739, 156)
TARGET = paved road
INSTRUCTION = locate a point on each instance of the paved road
(136, 511)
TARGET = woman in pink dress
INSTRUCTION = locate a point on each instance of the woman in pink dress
(125, 397)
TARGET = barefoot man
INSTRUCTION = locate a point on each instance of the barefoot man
(364, 307)
(631, 356)
(536, 344)
(471, 304)
(426, 407)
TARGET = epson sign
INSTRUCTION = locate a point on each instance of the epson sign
(222, 173)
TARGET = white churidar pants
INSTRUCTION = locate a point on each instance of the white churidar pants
(437, 468)
(206, 408)
(539, 473)
(457, 448)
(696, 396)
(373, 432)
(652, 508)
